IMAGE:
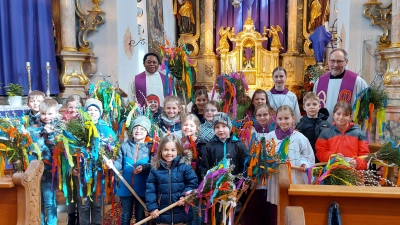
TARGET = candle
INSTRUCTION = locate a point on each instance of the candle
(47, 63)
(28, 64)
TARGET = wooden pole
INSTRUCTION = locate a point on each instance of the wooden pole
(126, 183)
(245, 204)
(186, 199)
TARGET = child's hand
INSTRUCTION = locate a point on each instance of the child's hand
(303, 167)
(138, 170)
(353, 163)
(181, 201)
(340, 155)
(75, 172)
(154, 214)
(109, 163)
(49, 128)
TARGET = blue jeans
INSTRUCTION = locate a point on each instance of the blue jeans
(48, 194)
(89, 211)
(127, 207)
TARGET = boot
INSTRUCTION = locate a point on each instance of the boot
(71, 218)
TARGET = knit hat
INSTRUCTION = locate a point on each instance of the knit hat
(153, 97)
(142, 121)
(221, 117)
(94, 102)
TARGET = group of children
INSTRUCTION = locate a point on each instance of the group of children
(194, 143)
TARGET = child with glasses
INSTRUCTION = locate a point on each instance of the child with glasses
(134, 161)
(207, 128)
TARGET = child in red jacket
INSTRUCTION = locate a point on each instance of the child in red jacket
(343, 138)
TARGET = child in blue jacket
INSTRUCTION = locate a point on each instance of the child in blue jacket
(134, 161)
(170, 179)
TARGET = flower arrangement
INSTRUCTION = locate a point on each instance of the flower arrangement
(14, 90)
(312, 74)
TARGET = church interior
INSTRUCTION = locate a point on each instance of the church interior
(73, 47)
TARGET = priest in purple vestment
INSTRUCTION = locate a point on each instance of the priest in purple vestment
(339, 84)
(150, 81)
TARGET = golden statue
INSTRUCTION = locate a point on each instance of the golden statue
(315, 12)
(185, 16)
(273, 32)
(225, 33)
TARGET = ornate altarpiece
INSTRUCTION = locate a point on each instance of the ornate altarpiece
(248, 56)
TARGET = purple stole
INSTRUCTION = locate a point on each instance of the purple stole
(346, 88)
(140, 86)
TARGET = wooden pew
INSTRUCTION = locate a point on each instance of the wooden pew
(20, 196)
(358, 205)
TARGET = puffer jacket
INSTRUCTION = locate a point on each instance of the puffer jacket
(351, 143)
(132, 154)
(236, 151)
(166, 185)
(312, 127)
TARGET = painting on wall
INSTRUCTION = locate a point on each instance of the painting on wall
(155, 24)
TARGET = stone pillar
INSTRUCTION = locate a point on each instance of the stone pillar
(391, 77)
(68, 29)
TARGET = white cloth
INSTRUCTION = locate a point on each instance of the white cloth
(300, 152)
(290, 99)
(154, 85)
(333, 92)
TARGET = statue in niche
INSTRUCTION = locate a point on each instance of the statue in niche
(185, 16)
(319, 13)
(225, 33)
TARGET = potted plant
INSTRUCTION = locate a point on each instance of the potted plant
(14, 92)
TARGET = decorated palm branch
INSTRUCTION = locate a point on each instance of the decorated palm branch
(232, 89)
(176, 62)
(108, 94)
(15, 144)
(370, 102)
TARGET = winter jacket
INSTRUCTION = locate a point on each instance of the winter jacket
(351, 143)
(157, 116)
(312, 127)
(46, 142)
(31, 118)
(171, 126)
(236, 151)
(166, 185)
(130, 155)
(200, 116)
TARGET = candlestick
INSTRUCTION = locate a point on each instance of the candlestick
(48, 78)
(28, 69)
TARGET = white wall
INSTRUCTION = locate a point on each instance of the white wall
(355, 31)
(108, 39)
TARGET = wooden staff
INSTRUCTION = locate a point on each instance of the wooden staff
(301, 168)
(187, 199)
(126, 183)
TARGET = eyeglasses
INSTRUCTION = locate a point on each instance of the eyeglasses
(265, 115)
(138, 128)
(339, 62)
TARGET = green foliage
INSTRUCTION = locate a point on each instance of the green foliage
(373, 95)
(339, 175)
(77, 128)
(14, 90)
(386, 153)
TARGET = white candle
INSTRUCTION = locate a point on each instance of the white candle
(28, 64)
(47, 63)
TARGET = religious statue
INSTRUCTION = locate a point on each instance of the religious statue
(318, 14)
(225, 33)
(273, 32)
(185, 16)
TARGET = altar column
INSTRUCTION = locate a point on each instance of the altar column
(391, 77)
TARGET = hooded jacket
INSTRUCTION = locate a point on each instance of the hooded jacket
(133, 154)
(351, 143)
(166, 185)
(312, 127)
(236, 151)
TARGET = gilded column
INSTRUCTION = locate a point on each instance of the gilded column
(68, 27)
(292, 30)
